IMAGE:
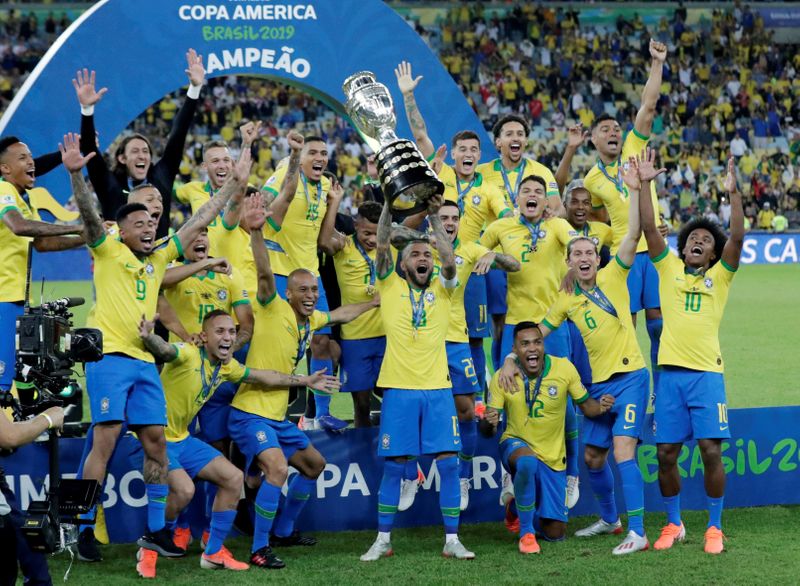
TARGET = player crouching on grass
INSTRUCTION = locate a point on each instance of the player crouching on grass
(533, 448)
(190, 377)
(690, 396)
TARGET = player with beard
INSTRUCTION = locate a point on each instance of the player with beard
(258, 422)
(127, 276)
(418, 415)
(610, 198)
(470, 258)
(532, 446)
(133, 158)
(690, 397)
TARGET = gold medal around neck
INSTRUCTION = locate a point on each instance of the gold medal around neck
(370, 290)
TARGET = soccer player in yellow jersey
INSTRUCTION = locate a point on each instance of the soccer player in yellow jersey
(690, 397)
(191, 376)
(258, 422)
(124, 386)
(363, 340)
(20, 227)
(598, 308)
(578, 205)
(298, 236)
(532, 446)
(471, 258)
(418, 415)
(610, 198)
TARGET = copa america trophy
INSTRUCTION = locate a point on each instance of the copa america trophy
(406, 177)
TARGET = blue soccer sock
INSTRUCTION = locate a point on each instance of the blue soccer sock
(469, 439)
(323, 400)
(389, 494)
(221, 522)
(571, 435)
(654, 327)
(673, 506)
(170, 525)
(266, 504)
(211, 494)
(156, 505)
(297, 496)
(479, 361)
(449, 494)
(525, 492)
(497, 346)
(715, 511)
(602, 482)
(182, 520)
(410, 471)
(633, 491)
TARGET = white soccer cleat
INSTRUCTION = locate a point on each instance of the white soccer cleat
(379, 549)
(464, 493)
(456, 549)
(408, 492)
(307, 423)
(600, 527)
(507, 489)
(573, 491)
(631, 544)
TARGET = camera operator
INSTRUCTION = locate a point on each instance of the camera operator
(15, 549)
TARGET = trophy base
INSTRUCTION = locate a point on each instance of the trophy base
(406, 178)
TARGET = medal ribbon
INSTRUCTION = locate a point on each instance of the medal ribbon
(303, 345)
(305, 188)
(368, 260)
(533, 229)
(617, 181)
(417, 307)
(463, 193)
(208, 386)
(513, 193)
(599, 298)
(531, 397)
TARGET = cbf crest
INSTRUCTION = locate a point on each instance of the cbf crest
(385, 440)
(708, 283)
(459, 260)
(222, 294)
(429, 297)
(149, 269)
(476, 199)
(552, 390)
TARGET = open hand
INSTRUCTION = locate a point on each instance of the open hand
(254, 215)
(405, 80)
(195, 70)
(730, 179)
(576, 135)
(484, 263)
(319, 381)
(508, 373)
(646, 164)
(71, 153)
(83, 82)
(630, 174)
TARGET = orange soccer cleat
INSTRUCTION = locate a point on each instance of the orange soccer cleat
(528, 544)
(713, 541)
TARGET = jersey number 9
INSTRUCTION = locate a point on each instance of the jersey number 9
(141, 289)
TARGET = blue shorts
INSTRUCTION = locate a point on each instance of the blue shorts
(496, 291)
(416, 422)
(361, 363)
(322, 302)
(643, 284)
(9, 312)
(213, 416)
(254, 434)
(631, 391)
(551, 485)
(578, 355)
(462, 370)
(690, 404)
(475, 306)
(190, 454)
(118, 381)
(555, 344)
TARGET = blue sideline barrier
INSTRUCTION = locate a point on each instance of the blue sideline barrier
(761, 461)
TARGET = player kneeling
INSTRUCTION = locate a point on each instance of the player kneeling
(533, 447)
(190, 377)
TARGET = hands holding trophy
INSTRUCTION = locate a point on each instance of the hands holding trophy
(406, 177)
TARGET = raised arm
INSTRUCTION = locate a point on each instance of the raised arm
(265, 276)
(443, 245)
(233, 209)
(647, 215)
(383, 251)
(161, 350)
(402, 236)
(407, 83)
(652, 89)
(576, 136)
(732, 251)
(74, 163)
(244, 315)
(347, 313)
(330, 241)
(178, 273)
(280, 205)
(627, 248)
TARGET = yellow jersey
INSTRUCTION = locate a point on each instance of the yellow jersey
(467, 254)
(189, 381)
(610, 339)
(357, 283)
(600, 233)
(127, 288)
(480, 202)
(300, 228)
(415, 357)
(608, 190)
(508, 182)
(279, 344)
(533, 289)
(199, 295)
(15, 248)
(538, 418)
(692, 305)
(195, 194)
(234, 245)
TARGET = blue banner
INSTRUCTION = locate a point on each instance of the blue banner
(780, 17)
(765, 248)
(761, 463)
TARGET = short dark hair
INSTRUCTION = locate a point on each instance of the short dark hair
(313, 138)
(535, 178)
(525, 325)
(370, 211)
(465, 135)
(451, 203)
(214, 144)
(498, 126)
(702, 223)
(128, 209)
(602, 118)
(212, 314)
(6, 142)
